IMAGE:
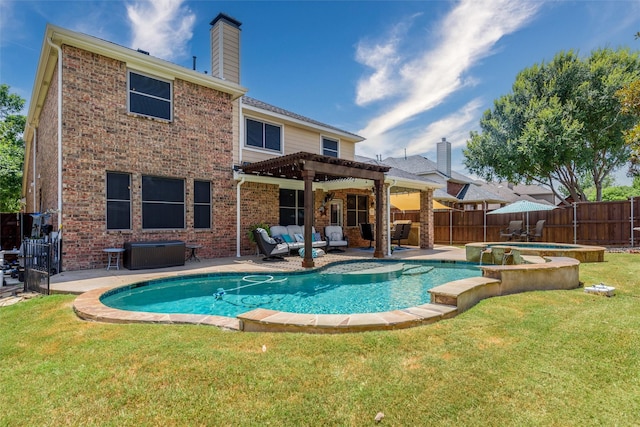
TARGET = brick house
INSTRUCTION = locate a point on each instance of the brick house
(122, 146)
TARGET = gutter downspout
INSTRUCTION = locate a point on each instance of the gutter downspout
(33, 147)
(238, 235)
(59, 239)
(56, 47)
(393, 183)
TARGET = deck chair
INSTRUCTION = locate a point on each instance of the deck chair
(366, 232)
(537, 233)
(268, 246)
(401, 232)
(513, 232)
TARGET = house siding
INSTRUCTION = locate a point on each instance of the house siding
(100, 136)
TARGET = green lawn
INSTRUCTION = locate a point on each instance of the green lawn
(561, 358)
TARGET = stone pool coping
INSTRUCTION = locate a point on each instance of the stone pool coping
(493, 252)
(448, 300)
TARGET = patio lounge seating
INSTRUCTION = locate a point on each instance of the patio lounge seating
(537, 233)
(268, 246)
(366, 232)
(401, 232)
(293, 236)
(336, 238)
(514, 231)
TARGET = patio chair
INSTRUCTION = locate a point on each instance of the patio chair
(514, 231)
(269, 247)
(366, 232)
(336, 238)
(537, 233)
(401, 232)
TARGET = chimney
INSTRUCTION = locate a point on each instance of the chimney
(444, 157)
(225, 48)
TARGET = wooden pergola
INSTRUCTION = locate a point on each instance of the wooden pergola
(317, 168)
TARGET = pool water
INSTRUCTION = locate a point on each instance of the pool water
(341, 288)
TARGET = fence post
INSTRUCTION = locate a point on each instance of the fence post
(575, 223)
(632, 221)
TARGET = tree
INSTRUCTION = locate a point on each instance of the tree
(562, 121)
(11, 149)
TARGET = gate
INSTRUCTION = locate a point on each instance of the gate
(39, 264)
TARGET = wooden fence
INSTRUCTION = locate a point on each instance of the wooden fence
(590, 223)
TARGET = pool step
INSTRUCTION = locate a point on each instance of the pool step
(414, 270)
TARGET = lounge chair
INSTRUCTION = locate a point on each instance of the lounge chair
(336, 238)
(401, 232)
(537, 233)
(514, 231)
(269, 247)
(366, 232)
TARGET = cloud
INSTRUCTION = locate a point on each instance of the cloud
(467, 34)
(418, 140)
(161, 27)
(382, 58)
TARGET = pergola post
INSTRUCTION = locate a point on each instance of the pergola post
(308, 176)
(379, 250)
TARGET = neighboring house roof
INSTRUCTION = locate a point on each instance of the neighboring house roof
(403, 178)
(261, 105)
(510, 195)
(472, 193)
(420, 165)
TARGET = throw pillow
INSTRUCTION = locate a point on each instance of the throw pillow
(336, 236)
(287, 238)
(278, 239)
(299, 237)
(316, 237)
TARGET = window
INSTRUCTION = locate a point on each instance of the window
(149, 96)
(329, 147)
(263, 135)
(118, 201)
(357, 209)
(201, 204)
(291, 207)
(162, 202)
(335, 212)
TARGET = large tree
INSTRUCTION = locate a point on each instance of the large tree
(11, 149)
(562, 121)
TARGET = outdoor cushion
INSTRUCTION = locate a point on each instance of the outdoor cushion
(335, 236)
(299, 237)
(287, 238)
(316, 237)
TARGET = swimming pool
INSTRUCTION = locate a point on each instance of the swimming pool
(340, 288)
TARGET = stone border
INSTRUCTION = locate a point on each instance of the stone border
(448, 300)
(496, 250)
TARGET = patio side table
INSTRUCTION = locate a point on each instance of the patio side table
(111, 252)
(194, 247)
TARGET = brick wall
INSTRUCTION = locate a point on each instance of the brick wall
(99, 136)
(260, 203)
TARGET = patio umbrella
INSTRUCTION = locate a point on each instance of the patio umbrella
(523, 206)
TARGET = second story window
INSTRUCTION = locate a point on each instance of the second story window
(149, 96)
(329, 147)
(263, 135)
